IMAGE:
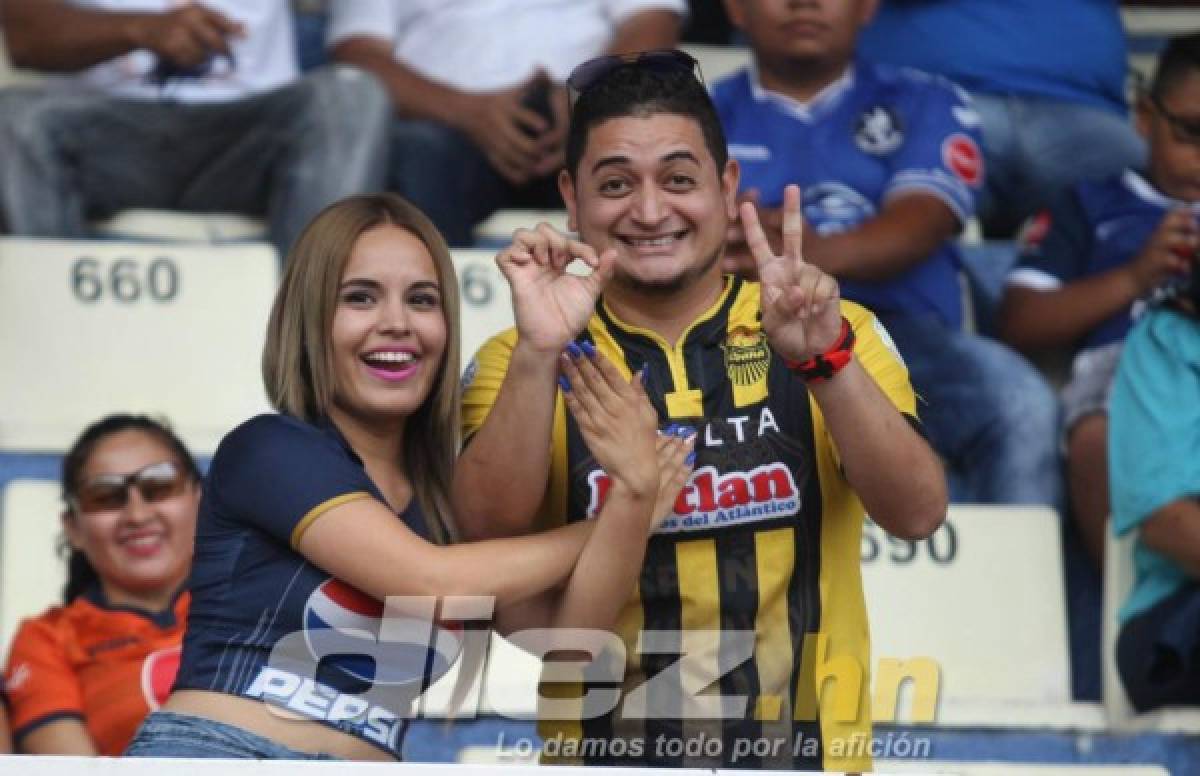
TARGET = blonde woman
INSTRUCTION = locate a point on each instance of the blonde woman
(313, 516)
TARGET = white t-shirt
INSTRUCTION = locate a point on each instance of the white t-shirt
(488, 45)
(263, 59)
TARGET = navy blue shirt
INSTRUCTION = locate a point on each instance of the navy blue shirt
(1095, 227)
(876, 133)
(267, 624)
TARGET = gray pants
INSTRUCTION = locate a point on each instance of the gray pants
(68, 157)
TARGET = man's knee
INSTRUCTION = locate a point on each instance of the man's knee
(27, 117)
(349, 96)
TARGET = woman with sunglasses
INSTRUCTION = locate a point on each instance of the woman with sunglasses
(315, 516)
(81, 677)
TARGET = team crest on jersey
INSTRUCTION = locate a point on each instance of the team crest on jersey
(747, 357)
(158, 674)
(878, 130)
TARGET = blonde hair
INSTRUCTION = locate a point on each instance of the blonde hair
(297, 361)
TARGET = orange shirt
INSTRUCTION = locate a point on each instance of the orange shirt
(107, 666)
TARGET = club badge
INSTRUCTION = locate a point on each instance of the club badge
(746, 356)
(878, 131)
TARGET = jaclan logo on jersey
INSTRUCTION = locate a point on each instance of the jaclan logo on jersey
(711, 499)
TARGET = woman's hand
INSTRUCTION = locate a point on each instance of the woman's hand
(675, 461)
(615, 417)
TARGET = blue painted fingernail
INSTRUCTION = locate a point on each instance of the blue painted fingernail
(691, 458)
(683, 432)
(671, 429)
(564, 383)
(574, 351)
(589, 348)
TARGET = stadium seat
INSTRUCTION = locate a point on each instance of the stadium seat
(716, 62)
(1158, 22)
(175, 226)
(984, 599)
(31, 575)
(97, 327)
(486, 304)
(497, 230)
(1118, 583)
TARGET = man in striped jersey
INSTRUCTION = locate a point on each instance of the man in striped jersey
(751, 589)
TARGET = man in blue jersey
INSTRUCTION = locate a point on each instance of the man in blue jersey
(1048, 81)
(890, 165)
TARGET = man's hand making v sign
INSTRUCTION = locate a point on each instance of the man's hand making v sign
(801, 314)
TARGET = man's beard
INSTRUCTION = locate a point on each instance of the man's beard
(668, 286)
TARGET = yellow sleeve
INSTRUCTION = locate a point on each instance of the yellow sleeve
(481, 385)
(482, 378)
(874, 349)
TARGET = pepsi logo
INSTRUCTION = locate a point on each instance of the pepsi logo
(342, 627)
(158, 675)
(962, 157)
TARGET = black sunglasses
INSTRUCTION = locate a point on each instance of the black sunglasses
(107, 492)
(591, 72)
(1184, 130)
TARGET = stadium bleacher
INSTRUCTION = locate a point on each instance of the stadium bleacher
(1118, 583)
(166, 329)
(167, 315)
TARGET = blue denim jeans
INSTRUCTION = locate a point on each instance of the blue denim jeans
(1035, 147)
(167, 734)
(987, 412)
(69, 157)
(442, 172)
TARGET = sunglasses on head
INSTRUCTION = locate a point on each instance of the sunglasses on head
(107, 492)
(591, 72)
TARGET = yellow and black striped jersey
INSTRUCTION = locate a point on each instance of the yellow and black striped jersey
(751, 589)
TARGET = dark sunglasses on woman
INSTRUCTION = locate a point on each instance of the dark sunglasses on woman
(156, 482)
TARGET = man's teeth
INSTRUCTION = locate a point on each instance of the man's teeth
(656, 242)
(391, 358)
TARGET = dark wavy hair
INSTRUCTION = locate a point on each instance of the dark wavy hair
(634, 91)
(1181, 56)
(80, 573)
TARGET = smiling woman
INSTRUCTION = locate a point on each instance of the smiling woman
(313, 517)
(81, 677)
